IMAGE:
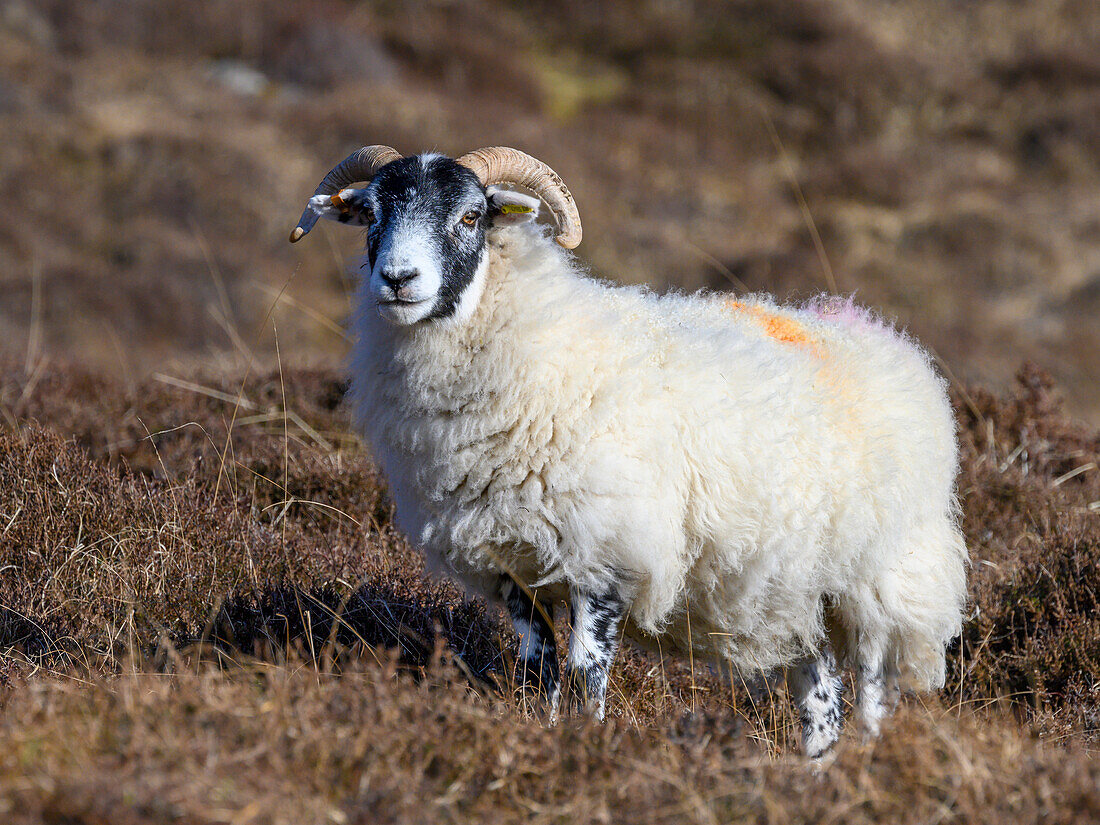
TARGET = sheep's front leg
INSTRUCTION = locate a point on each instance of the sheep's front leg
(596, 618)
(537, 655)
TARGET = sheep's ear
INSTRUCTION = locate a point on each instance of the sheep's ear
(346, 206)
(508, 208)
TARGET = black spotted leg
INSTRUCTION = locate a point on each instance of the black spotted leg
(537, 656)
(596, 619)
(876, 693)
(818, 694)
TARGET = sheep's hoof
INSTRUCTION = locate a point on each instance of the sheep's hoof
(821, 762)
(587, 689)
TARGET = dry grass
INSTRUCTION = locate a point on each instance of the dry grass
(206, 614)
(171, 653)
(276, 744)
(1031, 490)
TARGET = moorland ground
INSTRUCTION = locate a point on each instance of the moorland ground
(206, 614)
(156, 156)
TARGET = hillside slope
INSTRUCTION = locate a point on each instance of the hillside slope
(945, 154)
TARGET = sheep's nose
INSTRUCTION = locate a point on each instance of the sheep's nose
(397, 278)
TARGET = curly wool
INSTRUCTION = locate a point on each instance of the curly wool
(762, 476)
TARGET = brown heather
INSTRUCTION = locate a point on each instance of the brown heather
(171, 655)
(206, 615)
(1030, 487)
(288, 745)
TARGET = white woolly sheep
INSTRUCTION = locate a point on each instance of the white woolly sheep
(764, 486)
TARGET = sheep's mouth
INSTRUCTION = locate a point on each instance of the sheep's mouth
(405, 302)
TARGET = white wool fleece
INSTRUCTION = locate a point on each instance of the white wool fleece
(758, 475)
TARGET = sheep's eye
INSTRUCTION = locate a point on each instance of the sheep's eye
(368, 215)
(470, 218)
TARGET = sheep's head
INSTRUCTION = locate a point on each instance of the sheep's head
(426, 219)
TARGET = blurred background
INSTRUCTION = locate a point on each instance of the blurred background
(938, 158)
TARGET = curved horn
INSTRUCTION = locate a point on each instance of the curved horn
(360, 165)
(500, 164)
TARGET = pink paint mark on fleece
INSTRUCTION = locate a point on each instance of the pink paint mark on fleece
(846, 311)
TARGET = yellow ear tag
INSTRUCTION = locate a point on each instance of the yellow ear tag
(514, 208)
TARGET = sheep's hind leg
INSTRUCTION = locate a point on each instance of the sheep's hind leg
(876, 693)
(596, 619)
(538, 654)
(818, 694)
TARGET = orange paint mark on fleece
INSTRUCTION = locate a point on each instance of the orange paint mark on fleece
(779, 327)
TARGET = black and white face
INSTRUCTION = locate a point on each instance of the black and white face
(426, 239)
(426, 218)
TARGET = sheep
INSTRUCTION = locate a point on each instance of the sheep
(764, 486)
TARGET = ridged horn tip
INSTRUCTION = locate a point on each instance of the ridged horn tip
(360, 165)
